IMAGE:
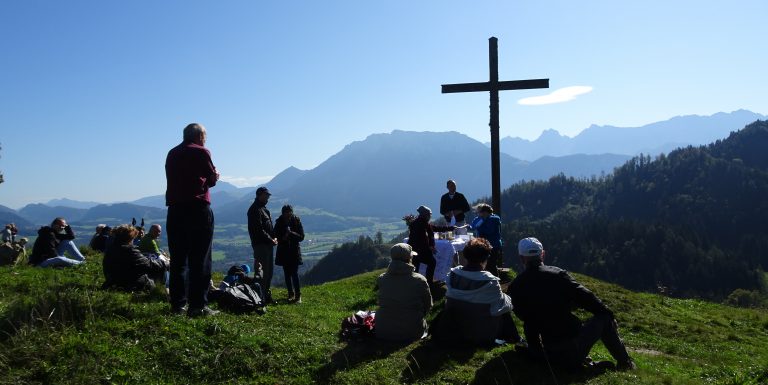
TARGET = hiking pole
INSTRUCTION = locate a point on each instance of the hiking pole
(546, 359)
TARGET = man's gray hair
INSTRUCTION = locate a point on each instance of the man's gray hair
(192, 131)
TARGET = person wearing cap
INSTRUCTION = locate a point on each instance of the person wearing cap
(404, 298)
(453, 205)
(543, 297)
(289, 233)
(51, 245)
(421, 236)
(263, 238)
(475, 304)
(190, 174)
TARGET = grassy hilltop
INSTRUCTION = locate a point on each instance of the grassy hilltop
(58, 327)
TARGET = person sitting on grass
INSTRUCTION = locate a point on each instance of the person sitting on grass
(51, 245)
(544, 296)
(404, 298)
(475, 303)
(125, 268)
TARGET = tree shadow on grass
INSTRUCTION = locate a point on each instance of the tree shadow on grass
(429, 357)
(512, 367)
(356, 353)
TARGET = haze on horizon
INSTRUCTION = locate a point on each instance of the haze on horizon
(94, 94)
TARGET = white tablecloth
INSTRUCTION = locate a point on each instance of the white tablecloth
(447, 257)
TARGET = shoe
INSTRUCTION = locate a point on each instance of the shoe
(599, 367)
(290, 297)
(626, 365)
(204, 312)
(521, 344)
(297, 299)
(178, 310)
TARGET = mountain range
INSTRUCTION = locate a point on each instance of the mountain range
(653, 139)
(388, 175)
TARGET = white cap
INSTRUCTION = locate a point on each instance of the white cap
(529, 247)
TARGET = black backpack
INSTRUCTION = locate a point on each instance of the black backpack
(240, 298)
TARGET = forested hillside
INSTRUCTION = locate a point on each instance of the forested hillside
(693, 221)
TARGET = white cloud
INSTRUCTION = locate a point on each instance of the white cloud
(558, 96)
(246, 181)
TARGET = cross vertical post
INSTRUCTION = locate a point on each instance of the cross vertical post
(493, 86)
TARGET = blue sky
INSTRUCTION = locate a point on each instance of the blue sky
(94, 93)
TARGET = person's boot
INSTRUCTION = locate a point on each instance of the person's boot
(290, 296)
(298, 298)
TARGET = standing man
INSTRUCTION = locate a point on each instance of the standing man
(263, 238)
(543, 296)
(189, 172)
(453, 205)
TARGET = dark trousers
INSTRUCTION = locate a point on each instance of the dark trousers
(262, 254)
(426, 257)
(599, 327)
(292, 279)
(190, 236)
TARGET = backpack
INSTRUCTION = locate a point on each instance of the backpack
(359, 325)
(240, 298)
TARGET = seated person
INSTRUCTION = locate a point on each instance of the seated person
(96, 235)
(404, 298)
(99, 242)
(52, 243)
(9, 233)
(544, 296)
(13, 253)
(126, 268)
(236, 275)
(148, 243)
(476, 310)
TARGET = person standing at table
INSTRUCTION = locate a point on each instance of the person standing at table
(421, 237)
(453, 205)
(190, 173)
(487, 225)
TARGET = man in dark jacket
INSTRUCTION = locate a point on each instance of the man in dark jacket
(190, 173)
(453, 204)
(263, 239)
(543, 296)
(421, 236)
(126, 268)
(52, 243)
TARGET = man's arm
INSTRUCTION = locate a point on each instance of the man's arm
(582, 296)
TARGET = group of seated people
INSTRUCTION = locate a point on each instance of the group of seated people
(12, 250)
(478, 312)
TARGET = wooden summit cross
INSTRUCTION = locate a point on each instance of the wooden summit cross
(494, 86)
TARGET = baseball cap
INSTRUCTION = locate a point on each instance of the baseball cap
(261, 190)
(529, 247)
(424, 210)
(402, 252)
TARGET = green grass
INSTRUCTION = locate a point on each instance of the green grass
(58, 327)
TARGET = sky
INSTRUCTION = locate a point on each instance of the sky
(93, 94)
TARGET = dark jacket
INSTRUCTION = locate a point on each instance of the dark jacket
(447, 205)
(127, 269)
(260, 224)
(543, 296)
(99, 242)
(47, 242)
(421, 234)
(288, 250)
